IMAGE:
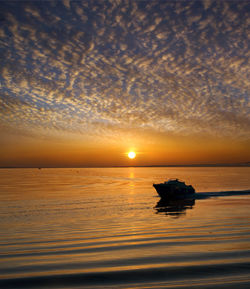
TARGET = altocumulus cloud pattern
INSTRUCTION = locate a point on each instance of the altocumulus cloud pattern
(96, 66)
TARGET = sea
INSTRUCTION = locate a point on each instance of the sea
(107, 228)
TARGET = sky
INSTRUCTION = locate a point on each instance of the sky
(82, 83)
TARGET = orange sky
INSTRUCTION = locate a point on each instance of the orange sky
(35, 152)
(91, 81)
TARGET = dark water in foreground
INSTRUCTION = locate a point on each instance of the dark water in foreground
(105, 228)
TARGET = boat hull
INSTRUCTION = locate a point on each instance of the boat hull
(166, 191)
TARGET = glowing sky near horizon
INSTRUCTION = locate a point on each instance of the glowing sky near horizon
(117, 75)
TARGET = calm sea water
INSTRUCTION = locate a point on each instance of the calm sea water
(105, 228)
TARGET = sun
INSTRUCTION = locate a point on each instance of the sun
(131, 155)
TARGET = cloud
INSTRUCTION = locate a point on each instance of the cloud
(91, 67)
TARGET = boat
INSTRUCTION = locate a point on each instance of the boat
(174, 189)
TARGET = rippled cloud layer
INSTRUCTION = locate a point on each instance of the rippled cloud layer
(102, 67)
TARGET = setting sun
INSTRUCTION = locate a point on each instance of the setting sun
(131, 155)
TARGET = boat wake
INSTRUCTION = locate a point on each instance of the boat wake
(178, 207)
(206, 195)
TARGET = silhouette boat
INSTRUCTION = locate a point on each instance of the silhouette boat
(174, 189)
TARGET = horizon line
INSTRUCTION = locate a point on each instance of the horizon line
(245, 164)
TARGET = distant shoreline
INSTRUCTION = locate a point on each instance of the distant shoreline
(146, 166)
